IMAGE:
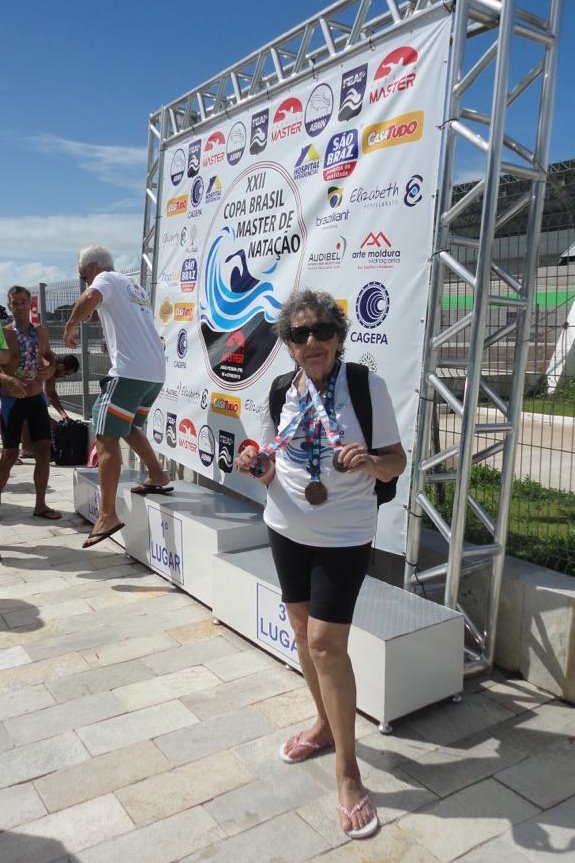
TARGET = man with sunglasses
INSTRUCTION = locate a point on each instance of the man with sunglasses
(136, 376)
(321, 513)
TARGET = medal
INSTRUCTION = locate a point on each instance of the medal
(337, 464)
(315, 493)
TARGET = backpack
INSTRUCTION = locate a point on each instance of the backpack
(357, 382)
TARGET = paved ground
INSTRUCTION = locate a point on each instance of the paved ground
(134, 729)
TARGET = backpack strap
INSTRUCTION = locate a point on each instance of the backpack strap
(277, 396)
(358, 385)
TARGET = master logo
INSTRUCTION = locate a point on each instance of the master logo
(214, 149)
(287, 119)
(187, 436)
(194, 153)
(390, 73)
(259, 131)
(403, 129)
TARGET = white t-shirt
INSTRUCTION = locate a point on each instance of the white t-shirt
(349, 515)
(132, 340)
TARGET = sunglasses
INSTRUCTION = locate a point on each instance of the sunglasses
(321, 332)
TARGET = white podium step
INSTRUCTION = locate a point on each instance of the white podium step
(407, 652)
(178, 535)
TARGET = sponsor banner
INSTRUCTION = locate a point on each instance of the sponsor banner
(328, 185)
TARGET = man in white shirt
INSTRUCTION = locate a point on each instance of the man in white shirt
(133, 383)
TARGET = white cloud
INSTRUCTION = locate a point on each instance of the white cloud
(118, 166)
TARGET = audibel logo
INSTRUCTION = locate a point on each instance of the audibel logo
(372, 305)
(413, 191)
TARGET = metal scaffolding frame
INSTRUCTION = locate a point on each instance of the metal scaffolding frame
(490, 284)
(342, 29)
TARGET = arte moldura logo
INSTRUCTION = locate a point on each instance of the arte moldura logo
(228, 406)
(390, 73)
(403, 129)
(352, 92)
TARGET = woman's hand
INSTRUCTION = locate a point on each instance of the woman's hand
(252, 461)
(355, 457)
(385, 464)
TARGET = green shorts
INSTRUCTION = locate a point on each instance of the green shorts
(122, 405)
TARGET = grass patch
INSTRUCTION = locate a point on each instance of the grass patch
(561, 402)
(541, 520)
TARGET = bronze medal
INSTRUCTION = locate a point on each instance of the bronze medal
(337, 464)
(315, 493)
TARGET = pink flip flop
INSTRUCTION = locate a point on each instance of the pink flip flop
(367, 829)
(309, 750)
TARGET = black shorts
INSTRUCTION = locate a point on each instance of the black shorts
(328, 578)
(13, 413)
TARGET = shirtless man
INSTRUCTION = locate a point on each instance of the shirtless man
(31, 362)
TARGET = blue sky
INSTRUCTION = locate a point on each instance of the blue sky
(78, 82)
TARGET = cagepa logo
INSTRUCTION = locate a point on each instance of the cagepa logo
(171, 436)
(307, 164)
(177, 206)
(393, 65)
(178, 167)
(206, 445)
(318, 110)
(376, 196)
(229, 406)
(403, 129)
(187, 436)
(371, 309)
(413, 191)
(376, 251)
(182, 344)
(194, 154)
(341, 155)
(158, 426)
(334, 196)
(236, 143)
(226, 448)
(353, 85)
(214, 190)
(184, 311)
(329, 258)
(197, 192)
(214, 149)
(287, 119)
(259, 132)
(189, 275)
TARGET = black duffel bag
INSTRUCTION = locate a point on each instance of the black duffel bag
(70, 442)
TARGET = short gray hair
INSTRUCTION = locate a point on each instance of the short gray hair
(95, 255)
(320, 302)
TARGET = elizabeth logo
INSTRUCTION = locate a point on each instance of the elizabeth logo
(178, 167)
(352, 92)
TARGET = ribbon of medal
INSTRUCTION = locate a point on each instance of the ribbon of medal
(28, 348)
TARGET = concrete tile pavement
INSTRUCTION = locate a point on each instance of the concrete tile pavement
(132, 727)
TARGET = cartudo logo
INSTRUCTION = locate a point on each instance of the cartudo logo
(390, 73)
(177, 206)
(229, 406)
(184, 311)
(403, 129)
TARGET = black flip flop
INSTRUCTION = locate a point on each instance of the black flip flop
(102, 535)
(144, 489)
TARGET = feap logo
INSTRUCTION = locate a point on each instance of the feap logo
(307, 164)
(229, 406)
(237, 140)
(287, 119)
(214, 149)
(194, 154)
(187, 436)
(189, 275)
(413, 191)
(390, 72)
(259, 132)
(177, 206)
(352, 92)
(171, 436)
(178, 167)
(226, 447)
(184, 311)
(341, 155)
(403, 129)
(318, 110)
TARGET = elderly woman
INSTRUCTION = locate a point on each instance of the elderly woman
(321, 514)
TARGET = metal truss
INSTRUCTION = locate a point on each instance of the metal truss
(301, 52)
(509, 31)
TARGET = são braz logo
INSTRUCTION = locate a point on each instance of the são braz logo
(252, 258)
